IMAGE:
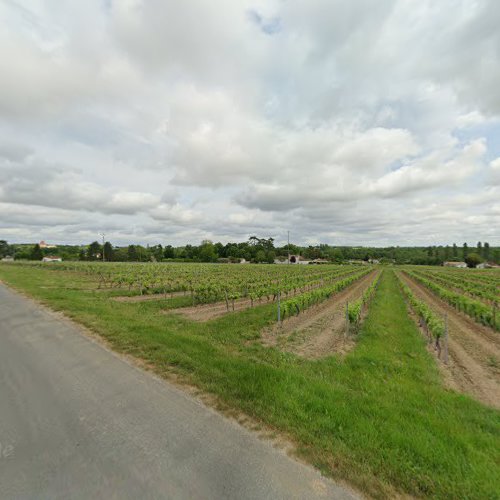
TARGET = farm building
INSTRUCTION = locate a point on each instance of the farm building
(43, 244)
(52, 258)
(298, 259)
(455, 264)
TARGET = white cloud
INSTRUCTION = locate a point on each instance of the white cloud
(343, 120)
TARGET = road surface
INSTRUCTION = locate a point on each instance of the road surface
(77, 421)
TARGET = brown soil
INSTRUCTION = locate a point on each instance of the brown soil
(207, 312)
(474, 350)
(143, 298)
(321, 330)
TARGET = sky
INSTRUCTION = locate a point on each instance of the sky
(348, 122)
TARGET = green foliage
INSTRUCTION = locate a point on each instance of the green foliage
(473, 259)
(434, 323)
(479, 311)
(94, 251)
(36, 253)
(354, 309)
(297, 304)
(4, 249)
(108, 251)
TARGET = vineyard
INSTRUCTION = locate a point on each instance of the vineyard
(351, 362)
(476, 294)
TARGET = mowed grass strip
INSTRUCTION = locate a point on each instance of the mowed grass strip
(378, 418)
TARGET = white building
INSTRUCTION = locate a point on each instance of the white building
(52, 258)
(455, 264)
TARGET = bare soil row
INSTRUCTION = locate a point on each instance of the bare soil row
(320, 330)
(474, 350)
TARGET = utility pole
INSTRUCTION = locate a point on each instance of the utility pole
(103, 235)
(288, 247)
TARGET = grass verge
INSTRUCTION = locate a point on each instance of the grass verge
(378, 418)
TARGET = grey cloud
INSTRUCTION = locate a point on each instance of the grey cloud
(343, 120)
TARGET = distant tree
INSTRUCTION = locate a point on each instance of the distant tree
(207, 252)
(479, 249)
(446, 252)
(132, 255)
(473, 259)
(4, 248)
(36, 253)
(94, 251)
(465, 251)
(486, 251)
(220, 250)
(496, 256)
(260, 256)
(156, 251)
(270, 256)
(108, 251)
(430, 252)
(168, 252)
(455, 251)
(81, 255)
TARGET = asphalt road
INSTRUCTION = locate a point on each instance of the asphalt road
(77, 421)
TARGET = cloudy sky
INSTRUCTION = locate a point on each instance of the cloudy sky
(343, 121)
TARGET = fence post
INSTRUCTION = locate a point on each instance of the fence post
(279, 307)
(346, 319)
(446, 338)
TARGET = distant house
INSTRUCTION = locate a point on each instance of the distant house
(42, 244)
(374, 261)
(485, 265)
(298, 259)
(52, 258)
(8, 258)
(319, 261)
(455, 264)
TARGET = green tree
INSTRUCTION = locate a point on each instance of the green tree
(465, 251)
(207, 252)
(446, 252)
(132, 255)
(108, 251)
(496, 256)
(4, 249)
(270, 256)
(168, 252)
(94, 251)
(455, 251)
(486, 251)
(473, 259)
(260, 256)
(479, 249)
(36, 253)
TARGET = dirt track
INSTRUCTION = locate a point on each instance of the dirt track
(474, 350)
(145, 298)
(319, 331)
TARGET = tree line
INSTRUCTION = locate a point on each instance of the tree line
(255, 249)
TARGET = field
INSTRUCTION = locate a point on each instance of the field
(386, 378)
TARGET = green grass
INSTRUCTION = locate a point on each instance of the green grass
(378, 418)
